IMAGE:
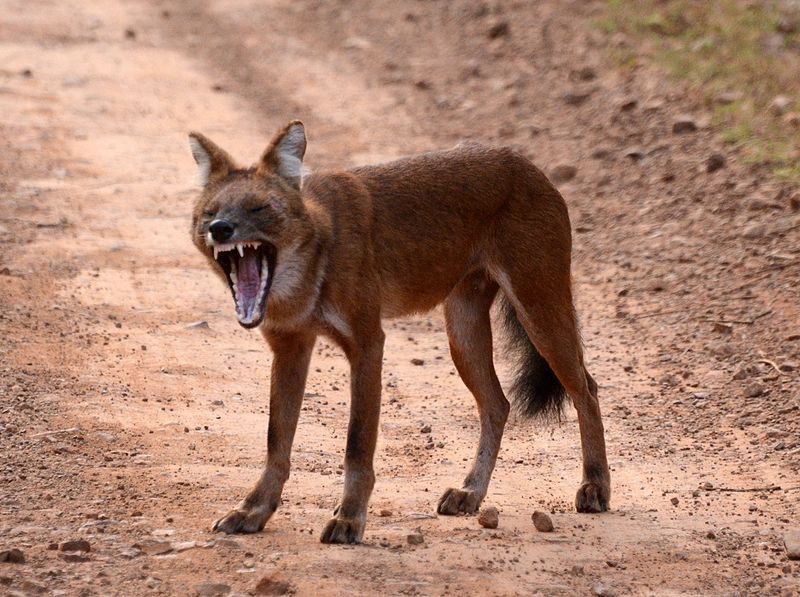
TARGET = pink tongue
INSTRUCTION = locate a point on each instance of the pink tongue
(248, 280)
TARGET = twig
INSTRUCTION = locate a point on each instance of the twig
(771, 364)
(657, 313)
(742, 321)
(769, 488)
(57, 431)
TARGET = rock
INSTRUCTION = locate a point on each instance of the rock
(628, 104)
(788, 366)
(130, 33)
(603, 590)
(12, 556)
(129, 553)
(211, 589)
(542, 522)
(385, 513)
(198, 325)
(792, 119)
(180, 546)
(716, 161)
(425, 429)
(791, 541)
(722, 328)
(684, 124)
(563, 173)
(754, 231)
(754, 390)
(154, 548)
(780, 105)
(787, 25)
(587, 73)
(415, 538)
(634, 153)
(75, 545)
(489, 517)
(499, 29)
(576, 98)
(418, 362)
(728, 97)
(270, 585)
(674, 501)
(74, 557)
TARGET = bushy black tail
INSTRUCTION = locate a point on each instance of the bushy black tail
(536, 390)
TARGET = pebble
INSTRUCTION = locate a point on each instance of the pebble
(75, 545)
(154, 548)
(780, 104)
(499, 29)
(12, 556)
(415, 539)
(603, 590)
(684, 124)
(425, 429)
(754, 390)
(418, 362)
(563, 173)
(791, 541)
(198, 325)
(212, 589)
(575, 98)
(385, 513)
(74, 557)
(715, 161)
(754, 231)
(674, 501)
(489, 517)
(542, 522)
(269, 585)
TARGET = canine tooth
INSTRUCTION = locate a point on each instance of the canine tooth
(216, 251)
(240, 248)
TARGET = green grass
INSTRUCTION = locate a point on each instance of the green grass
(722, 46)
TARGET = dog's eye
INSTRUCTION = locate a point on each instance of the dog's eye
(208, 214)
(257, 209)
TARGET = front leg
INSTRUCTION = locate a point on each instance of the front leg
(292, 354)
(366, 357)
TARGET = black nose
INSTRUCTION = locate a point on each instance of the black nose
(221, 230)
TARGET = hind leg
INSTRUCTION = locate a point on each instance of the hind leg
(469, 331)
(547, 314)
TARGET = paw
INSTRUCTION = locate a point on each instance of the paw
(455, 501)
(343, 530)
(243, 520)
(592, 497)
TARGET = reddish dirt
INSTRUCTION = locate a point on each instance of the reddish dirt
(123, 425)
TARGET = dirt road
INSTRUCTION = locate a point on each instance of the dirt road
(125, 423)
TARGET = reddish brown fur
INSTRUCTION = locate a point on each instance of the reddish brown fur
(380, 241)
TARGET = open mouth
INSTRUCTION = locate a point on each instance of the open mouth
(249, 267)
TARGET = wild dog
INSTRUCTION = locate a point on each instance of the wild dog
(335, 253)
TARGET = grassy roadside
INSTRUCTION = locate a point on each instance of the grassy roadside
(744, 56)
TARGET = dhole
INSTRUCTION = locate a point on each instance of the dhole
(335, 253)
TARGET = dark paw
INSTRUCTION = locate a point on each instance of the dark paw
(242, 520)
(592, 497)
(343, 530)
(456, 501)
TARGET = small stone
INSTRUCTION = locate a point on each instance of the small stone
(716, 161)
(603, 590)
(180, 546)
(129, 553)
(787, 25)
(198, 325)
(130, 33)
(542, 522)
(211, 589)
(271, 585)
(728, 97)
(788, 366)
(684, 124)
(12, 556)
(385, 513)
(499, 29)
(711, 535)
(754, 231)
(754, 390)
(415, 539)
(74, 557)
(418, 362)
(575, 98)
(722, 328)
(674, 501)
(791, 541)
(634, 153)
(425, 429)
(154, 548)
(780, 104)
(489, 517)
(76, 545)
(563, 173)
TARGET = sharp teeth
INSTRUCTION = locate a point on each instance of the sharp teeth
(240, 248)
(216, 251)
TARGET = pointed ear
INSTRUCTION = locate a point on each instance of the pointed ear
(284, 156)
(213, 162)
